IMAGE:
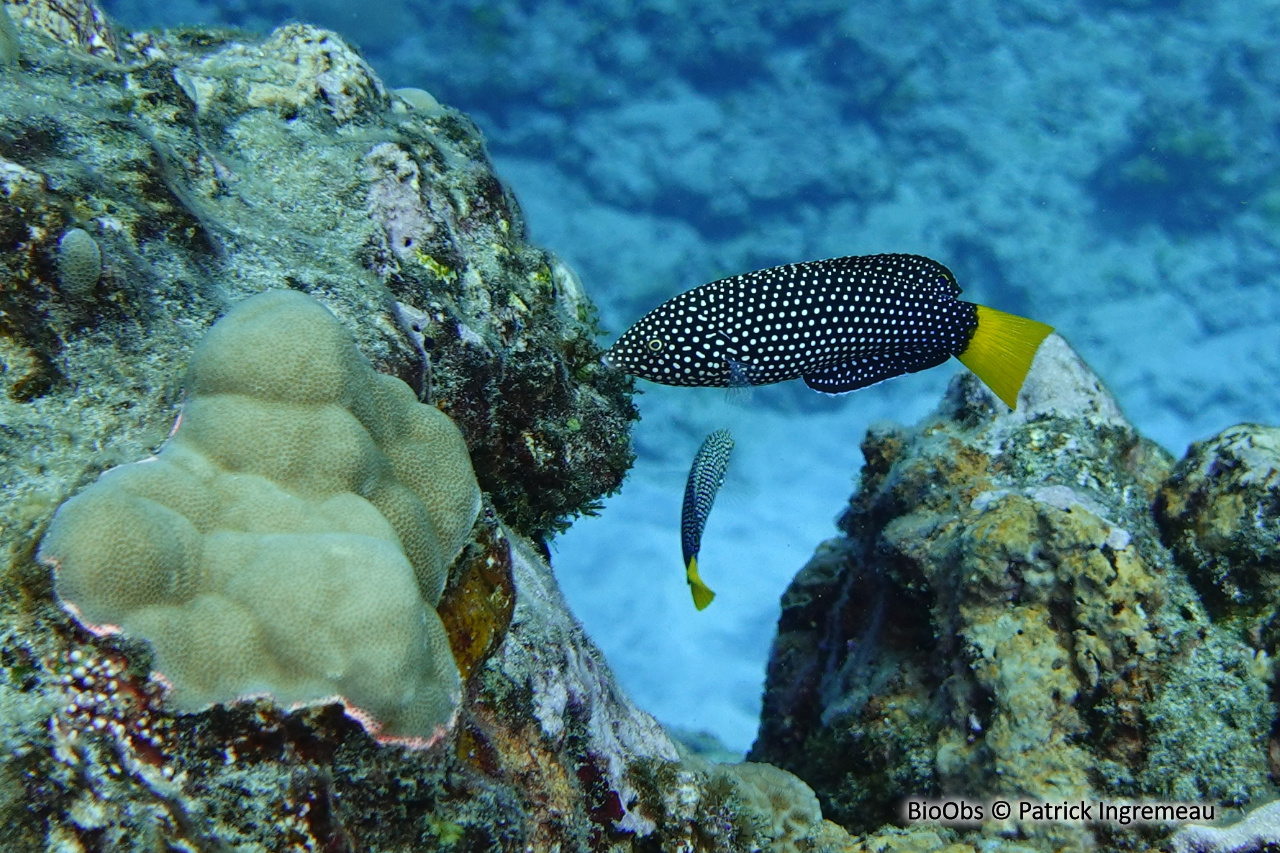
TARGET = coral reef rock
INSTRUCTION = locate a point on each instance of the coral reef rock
(1221, 513)
(1003, 616)
(1258, 831)
(207, 167)
(148, 182)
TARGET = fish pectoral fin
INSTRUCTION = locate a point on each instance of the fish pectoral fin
(860, 372)
(702, 594)
(745, 375)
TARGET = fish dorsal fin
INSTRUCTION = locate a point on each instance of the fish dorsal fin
(1001, 351)
(860, 372)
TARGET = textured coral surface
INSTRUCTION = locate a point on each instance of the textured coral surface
(1001, 613)
(293, 536)
(1221, 513)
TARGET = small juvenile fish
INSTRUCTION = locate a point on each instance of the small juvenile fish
(841, 324)
(705, 479)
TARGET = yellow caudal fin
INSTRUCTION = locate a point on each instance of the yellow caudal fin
(1001, 350)
(702, 594)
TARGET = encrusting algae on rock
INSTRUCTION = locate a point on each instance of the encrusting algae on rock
(1000, 615)
(1003, 618)
(1234, 475)
(164, 150)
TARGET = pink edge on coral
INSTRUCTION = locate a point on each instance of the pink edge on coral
(367, 721)
(159, 678)
(103, 630)
(374, 728)
(361, 716)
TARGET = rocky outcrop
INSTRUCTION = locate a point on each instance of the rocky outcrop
(1003, 616)
(148, 182)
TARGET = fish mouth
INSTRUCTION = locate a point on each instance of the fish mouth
(608, 361)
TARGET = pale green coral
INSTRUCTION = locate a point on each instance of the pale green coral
(783, 809)
(292, 537)
(79, 263)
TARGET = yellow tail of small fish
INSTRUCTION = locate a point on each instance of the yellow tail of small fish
(702, 594)
(1001, 350)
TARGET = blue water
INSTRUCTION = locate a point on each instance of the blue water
(1107, 167)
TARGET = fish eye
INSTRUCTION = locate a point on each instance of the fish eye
(655, 344)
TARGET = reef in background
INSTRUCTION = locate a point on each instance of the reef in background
(1009, 613)
(148, 183)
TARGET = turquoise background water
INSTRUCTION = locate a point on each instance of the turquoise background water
(1107, 167)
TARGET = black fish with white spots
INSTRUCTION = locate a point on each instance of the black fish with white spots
(841, 324)
(706, 476)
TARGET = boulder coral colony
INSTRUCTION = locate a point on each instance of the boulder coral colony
(1038, 603)
(293, 536)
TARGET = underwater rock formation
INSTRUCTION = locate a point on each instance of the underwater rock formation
(1220, 512)
(1003, 617)
(1256, 832)
(208, 167)
(196, 168)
